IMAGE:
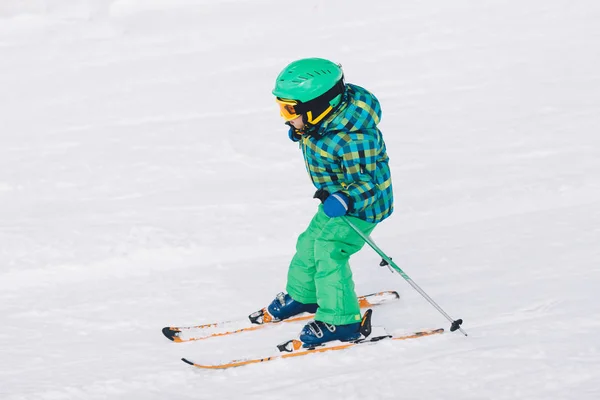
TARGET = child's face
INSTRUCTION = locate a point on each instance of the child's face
(297, 123)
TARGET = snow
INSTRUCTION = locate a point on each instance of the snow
(146, 180)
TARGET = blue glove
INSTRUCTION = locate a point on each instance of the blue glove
(336, 205)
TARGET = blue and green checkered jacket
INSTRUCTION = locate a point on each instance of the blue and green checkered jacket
(348, 154)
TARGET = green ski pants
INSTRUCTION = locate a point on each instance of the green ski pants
(320, 272)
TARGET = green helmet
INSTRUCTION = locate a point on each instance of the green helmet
(307, 79)
(315, 83)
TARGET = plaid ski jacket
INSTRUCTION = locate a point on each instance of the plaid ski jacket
(348, 154)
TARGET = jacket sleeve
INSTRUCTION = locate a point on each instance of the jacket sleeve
(359, 162)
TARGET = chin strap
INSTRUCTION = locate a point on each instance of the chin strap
(310, 129)
(295, 135)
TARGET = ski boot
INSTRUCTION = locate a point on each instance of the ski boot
(318, 333)
(315, 333)
(283, 307)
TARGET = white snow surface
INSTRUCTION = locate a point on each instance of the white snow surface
(146, 180)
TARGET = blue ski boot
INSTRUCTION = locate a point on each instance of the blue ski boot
(316, 333)
(283, 307)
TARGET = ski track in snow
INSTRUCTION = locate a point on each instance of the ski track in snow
(146, 180)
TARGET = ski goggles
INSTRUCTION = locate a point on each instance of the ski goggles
(287, 109)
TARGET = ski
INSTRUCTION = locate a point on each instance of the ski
(293, 348)
(256, 321)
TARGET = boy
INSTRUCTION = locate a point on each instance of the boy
(345, 156)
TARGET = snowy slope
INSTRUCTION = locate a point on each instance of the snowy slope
(146, 179)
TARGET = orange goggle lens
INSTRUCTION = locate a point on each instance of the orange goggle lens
(287, 109)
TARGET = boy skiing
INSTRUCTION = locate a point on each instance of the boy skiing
(345, 156)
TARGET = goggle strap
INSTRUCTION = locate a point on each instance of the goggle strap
(309, 116)
(322, 102)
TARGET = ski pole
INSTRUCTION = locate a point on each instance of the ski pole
(455, 323)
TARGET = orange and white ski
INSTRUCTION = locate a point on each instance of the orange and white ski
(201, 332)
(295, 349)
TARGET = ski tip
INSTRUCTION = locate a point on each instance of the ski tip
(170, 333)
(185, 360)
(413, 335)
